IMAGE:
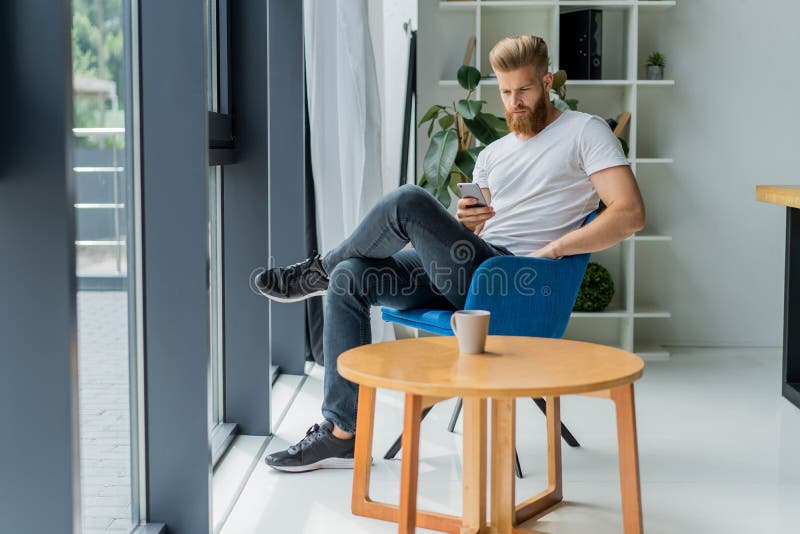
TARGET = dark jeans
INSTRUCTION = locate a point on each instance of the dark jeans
(371, 267)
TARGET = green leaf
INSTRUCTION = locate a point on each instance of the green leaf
(427, 185)
(443, 196)
(469, 108)
(468, 77)
(453, 187)
(473, 152)
(572, 103)
(625, 147)
(656, 59)
(560, 104)
(431, 114)
(446, 121)
(559, 79)
(440, 157)
(465, 163)
(481, 129)
(430, 128)
(498, 123)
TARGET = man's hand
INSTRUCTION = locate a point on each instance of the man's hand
(547, 251)
(473, 217)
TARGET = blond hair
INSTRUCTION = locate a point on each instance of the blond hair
(513, 53)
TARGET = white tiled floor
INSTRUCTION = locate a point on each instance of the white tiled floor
(719, 453)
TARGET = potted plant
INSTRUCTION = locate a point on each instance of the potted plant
(452, 153)
(655, 66)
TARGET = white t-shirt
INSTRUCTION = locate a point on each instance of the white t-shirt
(540, 187)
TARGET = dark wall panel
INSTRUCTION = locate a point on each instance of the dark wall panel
(174, 144)
(38, 355)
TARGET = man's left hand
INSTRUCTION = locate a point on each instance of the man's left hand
(547, 251)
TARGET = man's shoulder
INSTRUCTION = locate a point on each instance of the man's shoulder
(579, 118)
(499, 144)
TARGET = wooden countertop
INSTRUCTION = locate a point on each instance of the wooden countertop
(785, 195)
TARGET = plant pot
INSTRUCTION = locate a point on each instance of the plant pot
(655, 72)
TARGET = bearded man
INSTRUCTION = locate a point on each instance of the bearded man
(541, 181)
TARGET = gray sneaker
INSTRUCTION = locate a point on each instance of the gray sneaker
(294, 282)
(320, 449)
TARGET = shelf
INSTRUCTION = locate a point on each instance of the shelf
(605, 4)
(656, 5)
(454, 83)
(649, 238)
(500, 4)
(651, 312)
(655, 83)
(642, 312)
(582, 83)
(650, 161)
(599, 83)
(652, 5)
(454, 6)
(605, 314)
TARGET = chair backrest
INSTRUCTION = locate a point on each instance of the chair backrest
(528, 296)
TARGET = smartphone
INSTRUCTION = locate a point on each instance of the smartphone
(472, 190)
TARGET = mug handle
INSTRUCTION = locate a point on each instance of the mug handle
(453, 323)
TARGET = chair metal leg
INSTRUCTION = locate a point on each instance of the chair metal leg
(454, 418)
(517, 467)
(397, 445)
(565, 433)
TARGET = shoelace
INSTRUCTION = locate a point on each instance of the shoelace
(313, 435)
(300, 263)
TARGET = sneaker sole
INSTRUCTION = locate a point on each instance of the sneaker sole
(327, 463)
(294, 299)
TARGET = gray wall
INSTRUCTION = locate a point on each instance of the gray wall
(730, 123)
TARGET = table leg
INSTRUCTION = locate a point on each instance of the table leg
(362, 463)
(554, 492)
(503, 422)
(474, 482)
(628, 459)
(791, 312)
(407, 521)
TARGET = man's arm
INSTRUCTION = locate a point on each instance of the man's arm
(624, 215)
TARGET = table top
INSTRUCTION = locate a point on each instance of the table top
(512, 366)
(785, 195)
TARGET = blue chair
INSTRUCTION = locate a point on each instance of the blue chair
(526, 297)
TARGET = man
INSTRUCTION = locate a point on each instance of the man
(542, 180)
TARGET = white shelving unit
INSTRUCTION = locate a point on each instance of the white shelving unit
(444, 28)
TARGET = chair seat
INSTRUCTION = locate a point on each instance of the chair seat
(430, 320)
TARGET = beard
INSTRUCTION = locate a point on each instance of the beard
(532, 121)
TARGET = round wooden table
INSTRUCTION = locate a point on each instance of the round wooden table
(431, 369)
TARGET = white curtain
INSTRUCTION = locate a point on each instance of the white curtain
(344, 114)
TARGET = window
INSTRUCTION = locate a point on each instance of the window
(104, 185)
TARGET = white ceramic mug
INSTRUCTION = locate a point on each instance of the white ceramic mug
(471, 328)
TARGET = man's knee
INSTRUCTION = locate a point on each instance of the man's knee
(411, 196)
(357, 276)
(347, 277)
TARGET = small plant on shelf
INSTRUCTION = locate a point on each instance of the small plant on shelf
(655, 66)
(597, 289)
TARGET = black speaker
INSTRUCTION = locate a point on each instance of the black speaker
(581, 44)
